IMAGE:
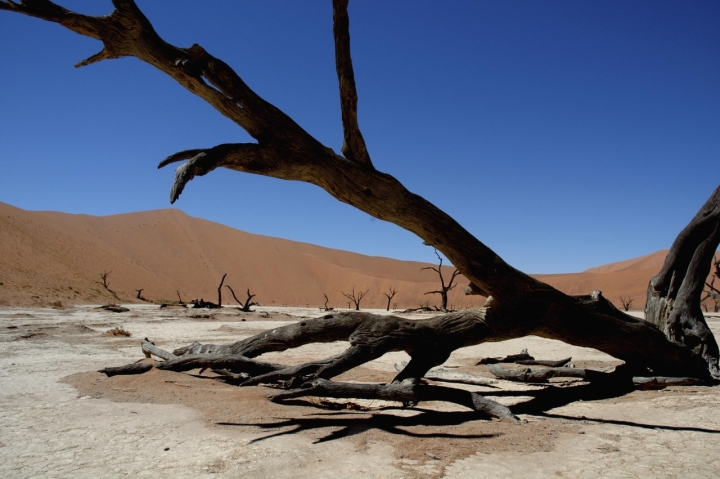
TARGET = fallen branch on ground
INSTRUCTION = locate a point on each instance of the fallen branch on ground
(404, 393)
(438, 374)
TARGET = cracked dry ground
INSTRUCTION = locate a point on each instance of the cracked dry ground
(60, 418)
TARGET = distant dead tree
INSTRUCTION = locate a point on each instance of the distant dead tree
(443, 292)
(106, 284)
(201, 303)
(390, 296)
(626, 301)
(220, 291)
(247, 304)
(140, 296)
(326, 308)
(180, 301)
(355, 298)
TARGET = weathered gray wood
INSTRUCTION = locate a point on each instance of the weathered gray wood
(437, 374)
(511, 358)
(544, 362)
(528, 375)
(660, 382)
(148, 347)
(234, 363)
(674, 294)
(134, 368)
(404, 393)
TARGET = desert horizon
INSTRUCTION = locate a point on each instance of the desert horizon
(53, 256)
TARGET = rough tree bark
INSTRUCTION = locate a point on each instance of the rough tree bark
(674, 342)
(674, 295)
(443, 292)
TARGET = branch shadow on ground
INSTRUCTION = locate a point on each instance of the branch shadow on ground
(344, 425)
(557, 396)
(633, 424)
(542, 401)
(553, 397)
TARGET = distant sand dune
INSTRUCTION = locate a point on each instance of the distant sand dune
(50, 256)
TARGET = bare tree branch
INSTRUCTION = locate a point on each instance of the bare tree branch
(353, 145)
(355, 297)
(244, 306)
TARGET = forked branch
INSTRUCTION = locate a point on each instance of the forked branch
(390, 295)
(443, 292)
(247, 304)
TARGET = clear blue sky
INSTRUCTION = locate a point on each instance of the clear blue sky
(563, 134)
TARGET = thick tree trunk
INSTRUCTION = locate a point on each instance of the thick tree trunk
(674, 294)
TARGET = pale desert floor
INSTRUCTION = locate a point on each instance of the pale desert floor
(60, 418)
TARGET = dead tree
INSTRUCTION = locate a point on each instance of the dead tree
(355, 297)
(180, 301)
(140, 296)
(105, 283)
(390, 295)
(674, 341)
(626, 302)
(247, 304)
(201, 303)
(443, 292)
(219, 303)
(326, 308)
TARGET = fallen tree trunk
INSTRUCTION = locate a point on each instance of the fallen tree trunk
(675, 342)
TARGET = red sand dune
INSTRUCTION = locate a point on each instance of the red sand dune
(50, 256)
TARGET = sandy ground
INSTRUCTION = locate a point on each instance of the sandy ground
(60, 418)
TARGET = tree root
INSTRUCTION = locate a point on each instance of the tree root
(404, 392)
